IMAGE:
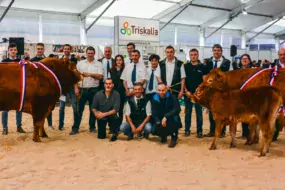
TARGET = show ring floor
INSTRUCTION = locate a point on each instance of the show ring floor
(85, 162)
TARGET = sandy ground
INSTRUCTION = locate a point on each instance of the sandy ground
(84, 162)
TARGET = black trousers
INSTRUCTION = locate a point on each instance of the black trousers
(172, 125)
(114, 123)
(245, 129)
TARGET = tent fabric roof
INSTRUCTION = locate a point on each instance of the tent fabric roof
(211, 13)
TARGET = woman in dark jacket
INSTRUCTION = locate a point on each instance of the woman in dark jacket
(116, 72)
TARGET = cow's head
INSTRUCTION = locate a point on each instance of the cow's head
(215, 79)
(202, 95)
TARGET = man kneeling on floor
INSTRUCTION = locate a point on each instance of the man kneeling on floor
(138, 114)
(105, 107)
(165, 114)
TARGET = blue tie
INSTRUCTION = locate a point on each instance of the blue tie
(150, 86)
(134, 74)
(216, 64)
(108, 68)
(131, 60)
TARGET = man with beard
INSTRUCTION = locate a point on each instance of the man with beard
(105, 107)
(165, 115)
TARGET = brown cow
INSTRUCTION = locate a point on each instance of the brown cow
(233, 106)
(42, 91)
(235, 79)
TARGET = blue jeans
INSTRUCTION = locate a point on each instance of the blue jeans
(72, 98)
(188, 115)
(5, 119)
(127, 130)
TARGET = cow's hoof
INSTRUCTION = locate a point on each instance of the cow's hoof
(233, 145)
(44, 136)
(37, 140)
(213, 147)
(262, 154)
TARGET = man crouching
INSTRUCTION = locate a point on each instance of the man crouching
(138, 114)
(105, 107)
(165, 114)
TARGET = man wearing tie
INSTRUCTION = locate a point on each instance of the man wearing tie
(153, 72)
(217, 61)
(107, 61)
(133, 73)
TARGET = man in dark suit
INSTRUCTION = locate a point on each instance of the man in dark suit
(217, 61)
(107, 62)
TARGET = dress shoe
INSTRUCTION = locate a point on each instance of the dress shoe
(223, 135)
(73, 132)
(163, 139)
(92, 130)
(61, 128)
(200, 135)
(187, 133)
(114, 137)
(5, 132)
(172, 144)
(210, 134)
(20, 130)
(130, 137)
(146, 136)
(51, 128)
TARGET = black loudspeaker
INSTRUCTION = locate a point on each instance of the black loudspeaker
(20, 44)
(233, 50)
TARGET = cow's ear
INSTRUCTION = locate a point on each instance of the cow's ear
(66, 61)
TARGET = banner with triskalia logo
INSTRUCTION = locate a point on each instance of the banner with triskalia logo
(136, 29)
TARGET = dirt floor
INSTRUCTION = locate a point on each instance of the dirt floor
(85, 162)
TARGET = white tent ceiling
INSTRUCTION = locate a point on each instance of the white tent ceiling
(205, 13)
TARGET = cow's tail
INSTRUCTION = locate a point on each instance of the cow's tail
(281, 119)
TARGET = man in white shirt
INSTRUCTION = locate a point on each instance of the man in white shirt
(153, 72)
(130, 48)
(138, 114)
(133, 73)
(172, 72)
(92, 71)
(107, 62)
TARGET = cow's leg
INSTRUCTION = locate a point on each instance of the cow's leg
(37, 126)
(233, 130)
(218, 129)
(256, 134)
(42, 132)
(271, 132)
(267, 133)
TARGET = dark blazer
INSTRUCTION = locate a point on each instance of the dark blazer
(176, 75)
(37, 58)
(225, 66)
(276, 62)
(101, 81)
(101, 60)
(118, 83)
(10, 60)
(169, 109)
